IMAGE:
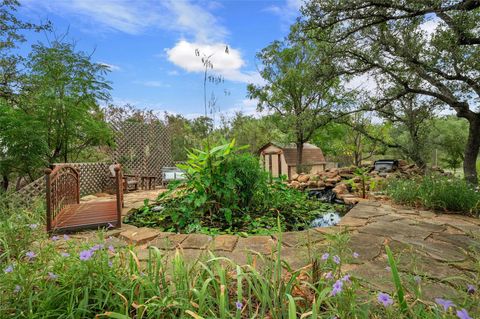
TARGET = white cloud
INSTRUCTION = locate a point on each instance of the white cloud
(193, 19)
(111, 67)
(154, 84)
(228, 65)
(122, 15)
(174, 72)
(365, 82)
(134, 17)
(288, 11)
(430, 25)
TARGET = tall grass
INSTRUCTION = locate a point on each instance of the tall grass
(436, 192)
(110, 282)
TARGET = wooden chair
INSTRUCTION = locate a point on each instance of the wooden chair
(130, 181)
(64, 210)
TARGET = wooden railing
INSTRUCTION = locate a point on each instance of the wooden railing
(62, 188)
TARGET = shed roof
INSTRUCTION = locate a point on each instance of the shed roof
(311, 155)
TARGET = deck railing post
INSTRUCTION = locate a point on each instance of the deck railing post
(119, 189)
(48, 171)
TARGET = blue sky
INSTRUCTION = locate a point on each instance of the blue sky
(150, 45)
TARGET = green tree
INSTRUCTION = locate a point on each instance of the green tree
(13, 132)
(449, 136)
(56, 115)
(299, 88)
(389, 40)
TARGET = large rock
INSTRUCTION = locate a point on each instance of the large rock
(295, 177)
(340, 189)
(259, 244)
(196, 241)
(312, 183)
(295, 184)
(303, 178)
(139, 236)
(224, 242)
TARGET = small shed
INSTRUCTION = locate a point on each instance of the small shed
(281, 159)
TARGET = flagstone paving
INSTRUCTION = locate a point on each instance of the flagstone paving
(436, 247)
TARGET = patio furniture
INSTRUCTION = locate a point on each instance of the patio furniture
(148, 180)
(172, 174)
(130, 181)
(64, 210)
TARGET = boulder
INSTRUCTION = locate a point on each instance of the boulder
(295, 184)
(312, 183)
(320, 184)
(340, 189)
(295, 177)
(303, 178)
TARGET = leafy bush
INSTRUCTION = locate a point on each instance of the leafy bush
(227, 191)
(435, 192)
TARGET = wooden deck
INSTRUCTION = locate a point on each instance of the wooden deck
(86, 215)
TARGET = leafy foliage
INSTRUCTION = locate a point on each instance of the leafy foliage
(227, 191)
(435, 192)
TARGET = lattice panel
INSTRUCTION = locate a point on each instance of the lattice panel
(94, 177)
(142, 149)
(28, 193)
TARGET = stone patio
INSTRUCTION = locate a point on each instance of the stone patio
(436, 247)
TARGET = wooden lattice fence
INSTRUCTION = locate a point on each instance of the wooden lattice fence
(142, 148)
(94, 178)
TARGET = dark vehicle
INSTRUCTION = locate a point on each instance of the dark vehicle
(385, 165)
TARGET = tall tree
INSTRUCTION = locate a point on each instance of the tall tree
(430, 48)
(299, 87)
(13, 134)
(56, 114)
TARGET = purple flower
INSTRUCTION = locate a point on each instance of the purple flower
(325, 256)
(9, 269)
(109, 225)
(86, 254)
(97, 247)
(65, 254)
(463, 314)
(110, 264)
(337, 288)
(30, 255)
(388, 268)
(66, 237)
(52, 276)
(55, 238)
(471, 289)
(239, 305)
(33, 226)
(336, 259)
(17, 289)
(111, 248)
(384, 299)
(417, 279)
(444, 303)
(345, 278)
(355, 255)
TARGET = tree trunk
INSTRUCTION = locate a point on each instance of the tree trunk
(299, 157)
(472, 149)
(4, 184)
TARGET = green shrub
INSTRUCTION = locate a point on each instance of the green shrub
(435, 192)
(227, 191)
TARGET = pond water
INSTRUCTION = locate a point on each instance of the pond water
(330, 218)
